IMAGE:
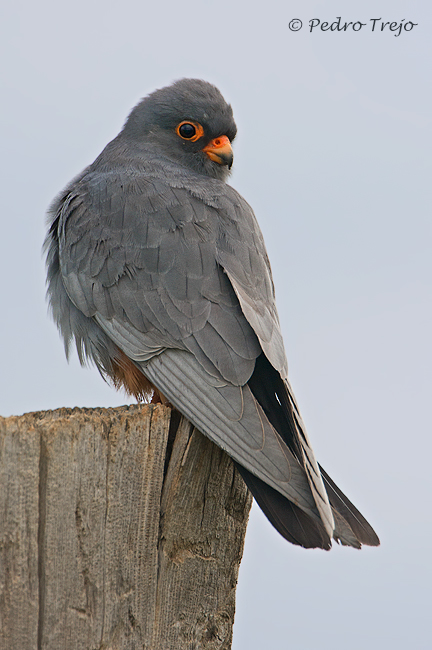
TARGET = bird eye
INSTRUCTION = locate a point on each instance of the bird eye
(187, 131)
(190, 131)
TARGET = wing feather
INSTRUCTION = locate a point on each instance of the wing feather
(228, 416)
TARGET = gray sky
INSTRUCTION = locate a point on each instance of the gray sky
(333, 153)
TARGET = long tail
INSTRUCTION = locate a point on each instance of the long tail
(351, 528)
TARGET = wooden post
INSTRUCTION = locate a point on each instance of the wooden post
(117, 532)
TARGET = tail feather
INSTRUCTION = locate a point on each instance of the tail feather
(343, 533)
(278, 403)
(358, 524)
(289, 520)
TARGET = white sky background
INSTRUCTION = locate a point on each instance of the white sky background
(333, 153)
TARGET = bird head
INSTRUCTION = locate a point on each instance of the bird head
(188, 122)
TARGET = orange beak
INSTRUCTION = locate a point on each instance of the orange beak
(219, 150)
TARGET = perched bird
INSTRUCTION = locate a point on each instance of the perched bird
(158, 270)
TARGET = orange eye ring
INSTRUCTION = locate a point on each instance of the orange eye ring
(184, 128)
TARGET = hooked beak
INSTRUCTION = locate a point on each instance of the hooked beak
(219, 150)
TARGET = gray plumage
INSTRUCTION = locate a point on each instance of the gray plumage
(151, 253)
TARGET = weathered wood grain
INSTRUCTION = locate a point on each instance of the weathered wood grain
(104, 544)
(19, 517)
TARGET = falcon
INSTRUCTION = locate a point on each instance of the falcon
(158, 271)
